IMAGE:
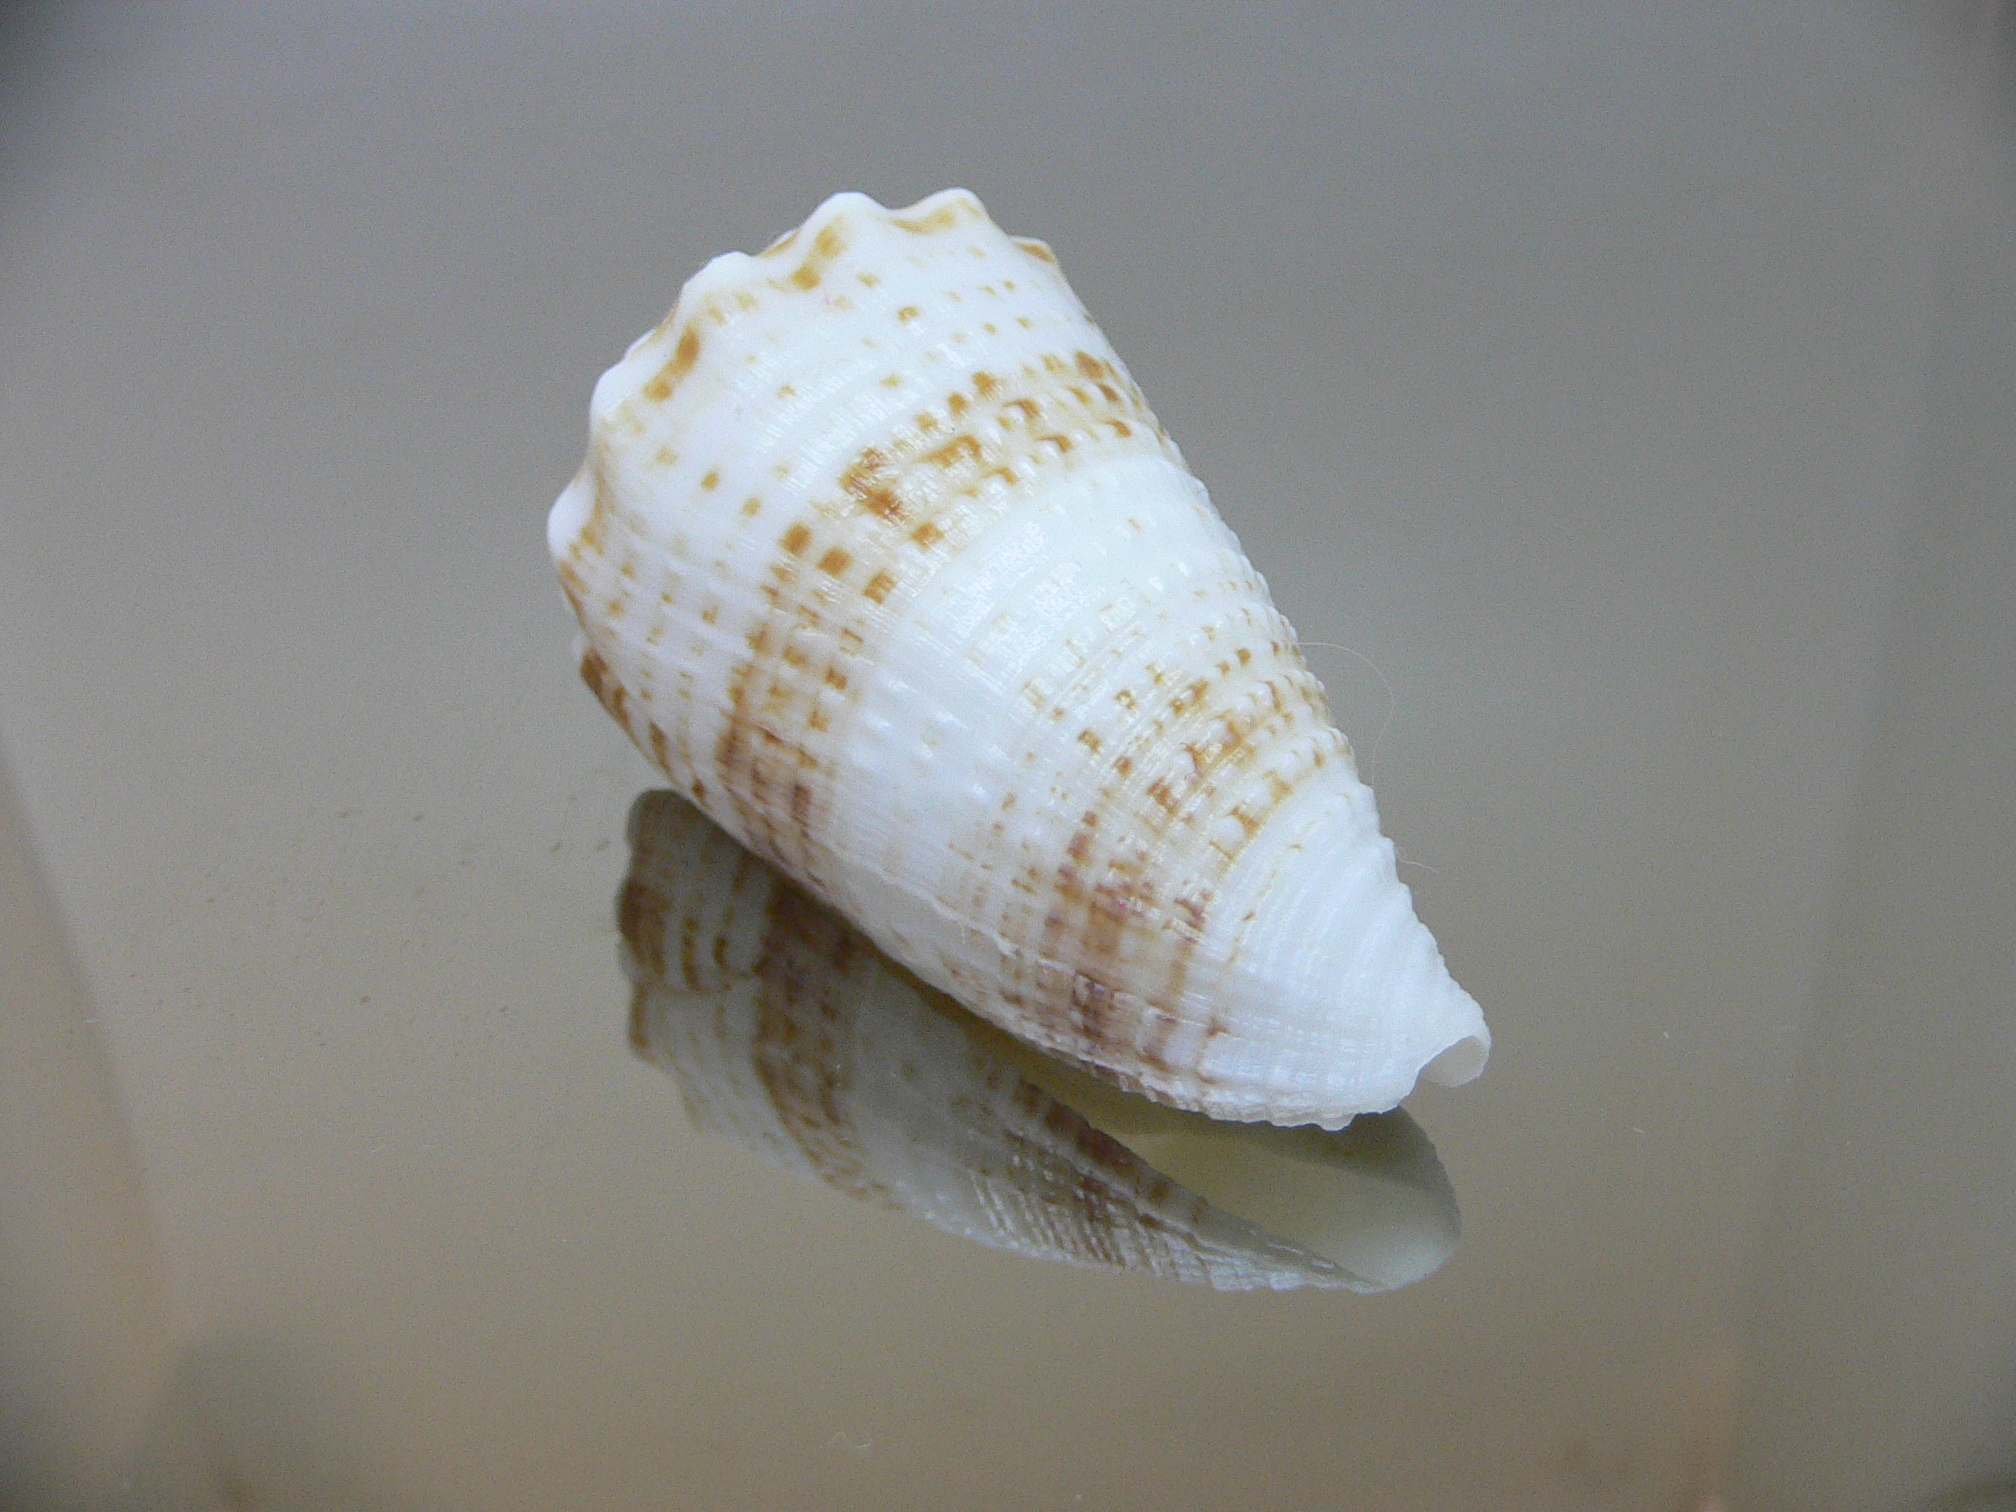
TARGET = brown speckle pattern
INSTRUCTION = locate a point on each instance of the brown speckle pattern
(985, 506)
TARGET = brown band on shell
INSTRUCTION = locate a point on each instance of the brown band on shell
(1182, 756)
(842, 572)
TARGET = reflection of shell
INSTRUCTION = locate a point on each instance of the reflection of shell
(879, 554)
(791, 1035)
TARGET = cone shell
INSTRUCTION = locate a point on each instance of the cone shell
(880, 555)
(791, 1036)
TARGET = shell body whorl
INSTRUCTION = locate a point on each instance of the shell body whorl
(881, 557)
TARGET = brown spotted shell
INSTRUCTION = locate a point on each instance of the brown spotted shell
(791, 1036)
(880, 555)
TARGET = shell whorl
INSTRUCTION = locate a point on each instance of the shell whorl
(880, 555)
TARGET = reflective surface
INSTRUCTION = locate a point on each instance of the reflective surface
(1631, 389)
(791, 1035)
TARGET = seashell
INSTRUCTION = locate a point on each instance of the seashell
(791, 1036)
(879, 554)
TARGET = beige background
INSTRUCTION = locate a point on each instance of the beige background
(1633, 387)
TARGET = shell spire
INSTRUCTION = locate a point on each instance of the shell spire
(880, 555)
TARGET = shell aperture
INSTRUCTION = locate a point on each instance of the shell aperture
(879, 554)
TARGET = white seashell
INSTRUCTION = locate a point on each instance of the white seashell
(879, 554)
(790, 1035)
